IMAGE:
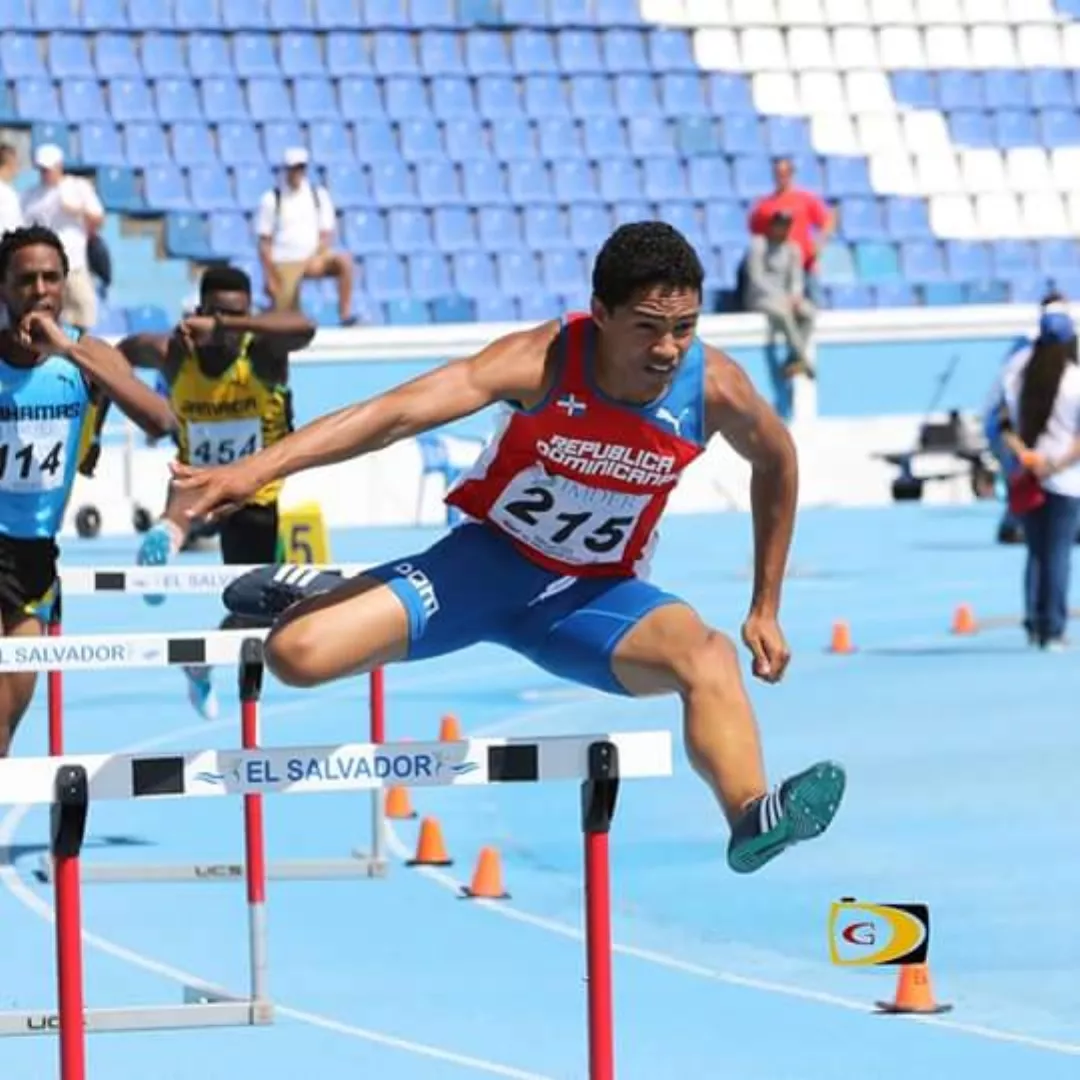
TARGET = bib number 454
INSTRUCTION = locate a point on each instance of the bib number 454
(596, 533)
(223, 451)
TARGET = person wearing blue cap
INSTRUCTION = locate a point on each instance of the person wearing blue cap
(1040, 428)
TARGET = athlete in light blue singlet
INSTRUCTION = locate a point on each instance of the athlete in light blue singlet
(51, 381)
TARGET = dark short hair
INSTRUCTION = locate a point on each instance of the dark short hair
(642, 255)
(224, 279)
(32, 235)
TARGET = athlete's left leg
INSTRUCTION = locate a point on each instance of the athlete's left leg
(632, 638)
(16, 687)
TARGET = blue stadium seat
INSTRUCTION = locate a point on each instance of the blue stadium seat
(185, 237)
(254, 56)
(751, 176)
(440, 53)
(575, 183)
(847, 176)
(1013, 258)
(486, 53)
(570, 13)
(1014, 127)
(164, 187)
(664, 179)
(290, 15)
(987, 292)
(53, 15)
(209, 56)
(82, 100)
(69, 56)
(238, 144)
(429, 275)
(836, 265)
(592, 95)
(971, 128)
(1049, 89)
(346, 56)
(348, 186)
(436, 14)
(251, 181)
(559, 138)
(907, 219)
(364, 232)
(492, 307)
(513, 140)
(393, 184)
(725, 223)
(314, 99)
(384, 277)
(517, 272)
(244, 14)
(464, 140)
(438, 184)
(729, 93)
(149, 14)
(268, 99)
(851, 297)
(544, 227)
(877, 263)
(914, 89)
(115, 56)
(359, 99)
(960, 90)
(589, 226)
(453, 229)
(497, 98)
(279, 136)
(650, 138)
(452, 98)
(118, 190)
(545, 97)
(36, 99)
(407, 311)
(337, 15)
(103, 15)
(163, 55)
(331, 143)
(100, 145)
(922, 262)
(130, 100)
(300, 55)
(230, 235)
(196, 14)
(147, 319)
(742, 134)
(943, 293)
(533, 52)
(176, 100)
(145, 145)
(862, 219)
(604, 137)
(483, 183)
(697, 135)
(386, 15)
(19, 57)
(619, 181)
(499, 228)
(192, 144)
(684, 217)
(209, 188)
(578, 52)
(709, 178)
(530, 186)
(1006, 89)
(1056, 257)
(405, 99)
(636, 96)
(624, 51)
(421, 140)
(626, 212)
(788, 136)
(409, 230)
(374, 140)
(894, 294)
(618, 12)
(1059, 127)
(538, 307)
(222, 100)
(682, 95)
(452, 309)
(670, 50)
(967, 260)
(393, 54)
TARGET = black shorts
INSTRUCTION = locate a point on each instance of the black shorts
(250, 536)
(27, 576)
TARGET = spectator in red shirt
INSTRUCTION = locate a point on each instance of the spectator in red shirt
(812, 222)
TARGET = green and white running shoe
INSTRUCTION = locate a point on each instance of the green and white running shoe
(800, 808)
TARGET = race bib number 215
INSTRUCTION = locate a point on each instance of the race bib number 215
(566, 520)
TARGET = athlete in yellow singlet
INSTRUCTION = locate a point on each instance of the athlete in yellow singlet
(225, 372)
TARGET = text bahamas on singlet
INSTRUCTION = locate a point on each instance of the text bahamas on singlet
(26, 413)
(207, 410)
(590, 457)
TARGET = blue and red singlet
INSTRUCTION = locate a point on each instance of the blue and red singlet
(580, 481)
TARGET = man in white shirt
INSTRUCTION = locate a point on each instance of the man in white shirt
(69, 206)
(295, 226)
(11, 215)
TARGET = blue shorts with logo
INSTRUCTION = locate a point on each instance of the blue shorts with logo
(474, 586)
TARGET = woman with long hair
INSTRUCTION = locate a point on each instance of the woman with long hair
(1041, 427)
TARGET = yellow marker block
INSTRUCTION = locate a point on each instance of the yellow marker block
(302, 536)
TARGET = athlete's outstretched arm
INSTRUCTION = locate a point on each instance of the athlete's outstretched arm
(104, 367)
(514, 368)
(738, 413)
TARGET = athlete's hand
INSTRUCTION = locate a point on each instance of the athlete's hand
(762, 635)
(196, 330)
(39, 332)
(214, 493)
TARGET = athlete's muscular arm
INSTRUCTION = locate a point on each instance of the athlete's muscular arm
(290, 330)
(514, 368)
(105, 368)
(738, 413)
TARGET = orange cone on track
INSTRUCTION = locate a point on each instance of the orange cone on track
(841, 638)
(914, 994)
(449, 729)
(964, 620)
(487, 882)
(430, 849)
(398, 805)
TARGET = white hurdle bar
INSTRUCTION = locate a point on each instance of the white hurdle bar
(71, 783)
(188, 580)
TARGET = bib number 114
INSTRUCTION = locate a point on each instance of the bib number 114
(597, 534)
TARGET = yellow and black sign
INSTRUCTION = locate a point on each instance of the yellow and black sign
(864, 935)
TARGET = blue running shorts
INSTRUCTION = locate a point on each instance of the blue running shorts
(474, 586)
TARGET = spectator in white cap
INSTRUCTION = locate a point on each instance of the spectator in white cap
(69, 205)
(295, 226)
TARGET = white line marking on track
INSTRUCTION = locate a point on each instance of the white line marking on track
(13, 883)
(674, 963)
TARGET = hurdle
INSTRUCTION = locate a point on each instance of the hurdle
(192, 580)
(70, 785)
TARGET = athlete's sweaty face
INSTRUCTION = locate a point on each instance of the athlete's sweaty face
(34, 282)
(645, 340)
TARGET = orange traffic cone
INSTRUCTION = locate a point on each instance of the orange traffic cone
(914, 993)
(487, 883)
(449, 729)
(964, 620)
(841, 638)
(398, 805)
(430, 849)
